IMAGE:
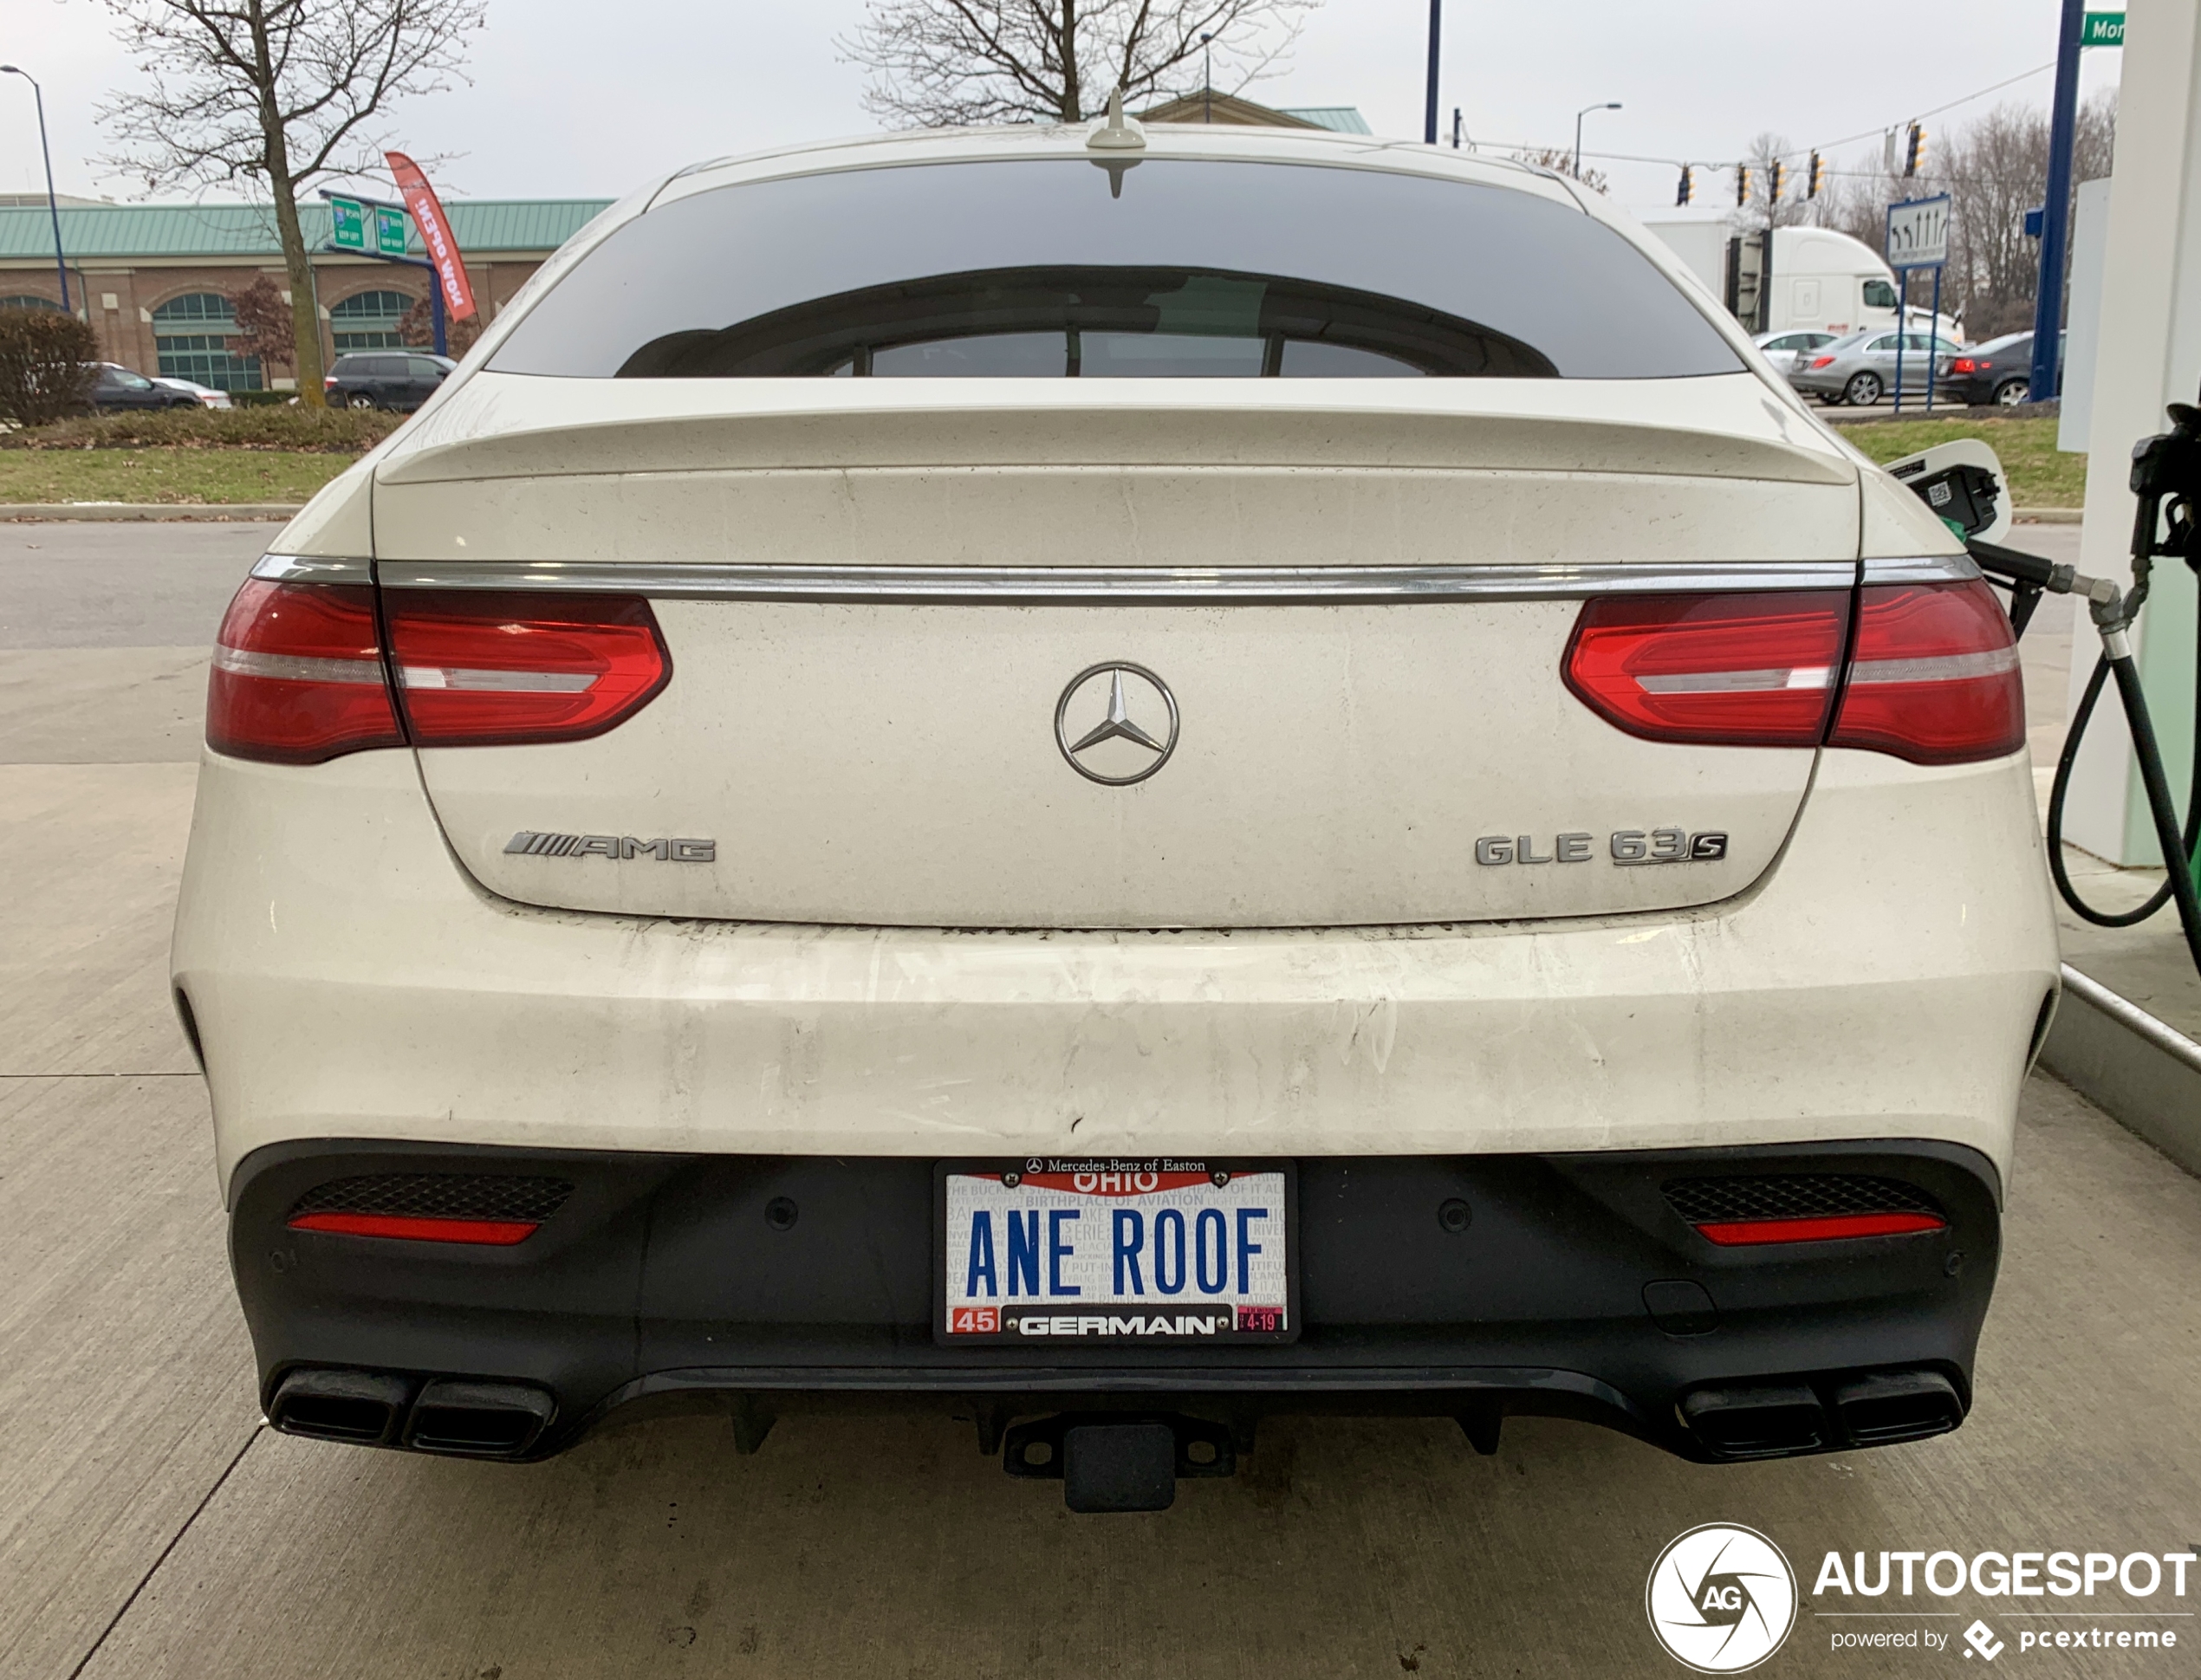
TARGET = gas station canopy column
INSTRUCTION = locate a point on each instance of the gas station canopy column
(2148, 356)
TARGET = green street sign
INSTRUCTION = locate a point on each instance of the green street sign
(2103, 28)
(348, 225)
(389, 230)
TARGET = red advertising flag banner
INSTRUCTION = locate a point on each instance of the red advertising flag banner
(435, 234)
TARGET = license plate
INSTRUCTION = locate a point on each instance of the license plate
(1162, 1250)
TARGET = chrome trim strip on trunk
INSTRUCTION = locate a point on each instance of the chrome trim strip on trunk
(1926, 568)
(298, 569)
(1123, 586)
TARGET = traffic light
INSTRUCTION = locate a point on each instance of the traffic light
(1741, 185)
(1914, 153)
(1816, 178)
(1687, 189)
(1777, 173)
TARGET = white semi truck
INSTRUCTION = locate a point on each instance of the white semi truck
(1790, 279)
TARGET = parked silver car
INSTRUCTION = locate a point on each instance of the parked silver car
(1861, 369)
(1786, 348)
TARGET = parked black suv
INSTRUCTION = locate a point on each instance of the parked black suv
(1999, 372)
(386, 379)
(119, 388)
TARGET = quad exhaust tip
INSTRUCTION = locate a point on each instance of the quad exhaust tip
(457, 1416)
(1780, 1419)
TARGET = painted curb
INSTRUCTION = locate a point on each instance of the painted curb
(2144, 1074)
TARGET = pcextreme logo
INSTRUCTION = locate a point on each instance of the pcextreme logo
(1721, 1598)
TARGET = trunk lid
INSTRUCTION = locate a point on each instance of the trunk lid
(901, 620)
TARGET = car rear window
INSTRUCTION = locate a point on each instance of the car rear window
(1154, 266)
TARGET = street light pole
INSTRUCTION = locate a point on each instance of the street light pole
(1610, 105)
(53, 205)
(1429, 109)
(1207, 78)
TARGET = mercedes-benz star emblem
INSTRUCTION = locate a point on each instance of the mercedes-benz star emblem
(1109, 724)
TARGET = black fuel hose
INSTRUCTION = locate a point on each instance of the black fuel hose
(2167, 521)
(2176, 841)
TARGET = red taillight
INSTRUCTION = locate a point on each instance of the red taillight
(1963, 365)
(1934, 676)
(1823, 361)
(1824, 1227)
(1740, 670)
(485, 669)
(486, 1233)
(298, 671)
(297, 675)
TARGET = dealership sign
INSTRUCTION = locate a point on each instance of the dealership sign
(436, 236)
(348, 225)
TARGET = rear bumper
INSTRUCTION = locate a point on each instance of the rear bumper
(1975, 390)
(1886, 978)
(1576, 1289)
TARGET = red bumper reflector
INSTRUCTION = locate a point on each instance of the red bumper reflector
(1741, 1233)
(486, 1233)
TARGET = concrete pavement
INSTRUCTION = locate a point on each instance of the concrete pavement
(149, 1527)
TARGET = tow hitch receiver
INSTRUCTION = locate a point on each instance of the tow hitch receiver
(1116, 1461)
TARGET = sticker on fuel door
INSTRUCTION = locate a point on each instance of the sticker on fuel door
(1159, 1250)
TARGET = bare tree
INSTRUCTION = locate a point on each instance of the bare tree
(1760, 209)
(944, 63)
(284, 92)
(1856, 199)
(1994, 170)
(1560, 161)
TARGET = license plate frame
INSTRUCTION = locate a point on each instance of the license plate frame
(1092, 1325)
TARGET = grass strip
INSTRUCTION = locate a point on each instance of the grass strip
(187, 477)
(2040, 474)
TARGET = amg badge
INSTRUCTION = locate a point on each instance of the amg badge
(528, 843)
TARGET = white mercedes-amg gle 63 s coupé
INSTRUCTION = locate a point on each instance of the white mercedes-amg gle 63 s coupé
(1121, 779)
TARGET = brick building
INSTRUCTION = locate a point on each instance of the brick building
(155, 280)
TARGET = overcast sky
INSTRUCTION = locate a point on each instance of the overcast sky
(589, 99)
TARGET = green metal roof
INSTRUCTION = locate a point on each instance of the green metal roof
(114, 232)
(1341, 119)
